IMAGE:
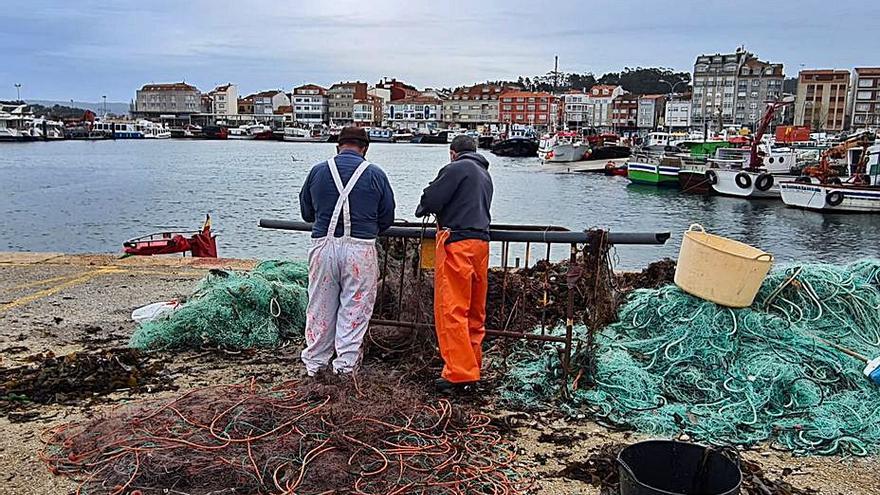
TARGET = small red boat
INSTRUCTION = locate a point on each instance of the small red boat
(201, 243)
(613, 168)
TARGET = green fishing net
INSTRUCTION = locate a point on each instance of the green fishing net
(675, 363)
(235, 310)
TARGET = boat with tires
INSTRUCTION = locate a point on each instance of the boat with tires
(822, 190)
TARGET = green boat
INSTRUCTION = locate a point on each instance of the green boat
(703, 149)
(656, 170)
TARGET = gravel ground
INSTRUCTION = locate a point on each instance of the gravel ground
(68, 303)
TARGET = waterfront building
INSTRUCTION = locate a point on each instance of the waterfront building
(310, 104)
(368, 112)
(866, 98)
(601, 98)
(423, 113)
(625, 114)
(473, 106)
(397, 90)
(577, 109)
(732, 89)
(757, 83)
(652, 110)
(678, 113)
(822, 99)
(246, 105)
(224, 100)
(171, 102)
(266, 102)
(537, 109)
(342, 97)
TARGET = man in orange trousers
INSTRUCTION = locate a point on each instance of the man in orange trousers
(460, 197)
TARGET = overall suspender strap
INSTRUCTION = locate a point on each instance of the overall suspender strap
(342, 204)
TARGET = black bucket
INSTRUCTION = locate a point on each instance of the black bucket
(664, 467)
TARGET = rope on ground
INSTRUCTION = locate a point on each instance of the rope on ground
(295, 438)
(675, 363)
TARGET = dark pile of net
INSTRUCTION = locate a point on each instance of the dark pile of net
(369, 436)
(235, 310)
(675, 363)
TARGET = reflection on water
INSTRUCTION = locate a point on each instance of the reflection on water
(88, 197)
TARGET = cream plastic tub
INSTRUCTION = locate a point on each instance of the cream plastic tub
(720, 270)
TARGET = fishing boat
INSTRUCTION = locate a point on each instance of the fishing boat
(441, 137)
(378, 135)
(761, 170)
(201, 243)
(248, 131)
(731, 177)
(821, 190)
(521, 142)
(562, 147)
(656, 169)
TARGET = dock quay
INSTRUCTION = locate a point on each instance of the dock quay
(81, 303)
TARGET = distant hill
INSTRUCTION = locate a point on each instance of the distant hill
(115, 107)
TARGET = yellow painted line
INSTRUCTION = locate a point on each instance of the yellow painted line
(37, 283)
(58, 288)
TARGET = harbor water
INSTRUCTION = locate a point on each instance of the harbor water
(76, 196)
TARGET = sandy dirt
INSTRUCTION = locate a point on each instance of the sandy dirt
(69, 303)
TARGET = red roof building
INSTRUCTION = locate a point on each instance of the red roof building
(529, 108)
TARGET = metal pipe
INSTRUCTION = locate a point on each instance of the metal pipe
(548, 236)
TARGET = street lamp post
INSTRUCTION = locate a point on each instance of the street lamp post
(671, 92)
(18, 91)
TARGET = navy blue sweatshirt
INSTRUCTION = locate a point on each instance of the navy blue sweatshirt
(461, 196)
(371, 201)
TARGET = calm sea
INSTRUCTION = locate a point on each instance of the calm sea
(75, 196)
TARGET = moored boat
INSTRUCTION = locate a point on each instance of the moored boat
(441, 137)
(654, 169)
(562, 147)
(822, 190)
(379, 135)
(694, 178)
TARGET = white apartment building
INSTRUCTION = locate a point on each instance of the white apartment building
(310, 104)
(224, 100)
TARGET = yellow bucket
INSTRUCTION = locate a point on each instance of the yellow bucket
(720, 270)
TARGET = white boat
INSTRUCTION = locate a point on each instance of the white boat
(45, 129)
(246, 131)
(15, 122)
(848, 196)
(730, 176)
(118, 129)
(564, 146)
(152, 130)
(378, 135)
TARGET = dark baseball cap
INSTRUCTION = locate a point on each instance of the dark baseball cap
(354, 135)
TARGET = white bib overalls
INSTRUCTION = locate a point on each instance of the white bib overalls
(343, 273)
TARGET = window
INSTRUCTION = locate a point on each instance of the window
(756, 83)
(866, 83)
(864, 95)
(863, 107)
(519, 107)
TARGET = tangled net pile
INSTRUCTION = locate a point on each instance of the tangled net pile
(294, 438)
(676, 363)
(235, 310)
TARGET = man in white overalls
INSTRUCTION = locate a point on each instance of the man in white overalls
(350, 202)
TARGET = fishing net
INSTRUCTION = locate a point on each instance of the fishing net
(235, 310)
(331, 436)
(675, 363)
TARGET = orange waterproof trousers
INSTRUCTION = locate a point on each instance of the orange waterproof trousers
(460, 285)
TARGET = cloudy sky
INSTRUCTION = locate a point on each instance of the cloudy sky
(83, 49)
